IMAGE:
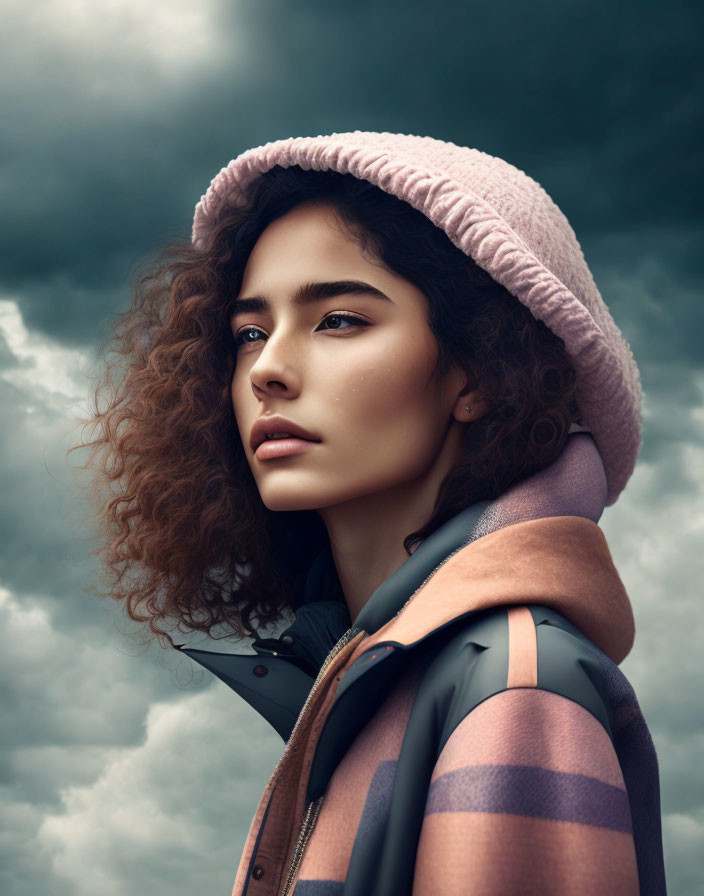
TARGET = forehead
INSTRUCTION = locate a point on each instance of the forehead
(310, 234)
(310, 246)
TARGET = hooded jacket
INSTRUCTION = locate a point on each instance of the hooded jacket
(470, 733)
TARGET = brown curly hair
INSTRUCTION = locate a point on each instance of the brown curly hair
(185, 534)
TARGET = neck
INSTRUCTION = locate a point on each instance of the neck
(366, 534)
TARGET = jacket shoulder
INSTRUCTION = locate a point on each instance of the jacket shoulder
(475, 659)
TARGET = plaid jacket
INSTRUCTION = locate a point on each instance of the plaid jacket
(471, 733)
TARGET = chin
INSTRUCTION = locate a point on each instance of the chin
(304, 497)
(279, 506)
(279, 500)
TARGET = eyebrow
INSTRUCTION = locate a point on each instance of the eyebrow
(310, 293)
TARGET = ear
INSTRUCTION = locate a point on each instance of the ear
(477, 404)
(475, 400)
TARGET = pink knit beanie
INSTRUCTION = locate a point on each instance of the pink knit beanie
(508, 224)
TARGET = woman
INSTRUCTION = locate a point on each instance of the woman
(380, 392)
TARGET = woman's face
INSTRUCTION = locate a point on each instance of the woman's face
(365, 387)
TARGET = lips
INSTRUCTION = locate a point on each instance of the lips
(266, 426)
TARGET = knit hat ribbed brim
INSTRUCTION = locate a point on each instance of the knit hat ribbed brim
(508, 224)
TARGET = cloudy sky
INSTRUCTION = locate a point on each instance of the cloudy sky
(127, 769)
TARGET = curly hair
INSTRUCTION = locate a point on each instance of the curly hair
(185, 535)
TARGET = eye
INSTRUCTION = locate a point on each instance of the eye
(352, 319)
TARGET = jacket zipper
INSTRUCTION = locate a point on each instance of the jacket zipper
(314, 807)
(303, 837)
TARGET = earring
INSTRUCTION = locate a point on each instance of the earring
(467, 407)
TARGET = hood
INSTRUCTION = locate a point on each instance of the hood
(562, 562)
(537, 544)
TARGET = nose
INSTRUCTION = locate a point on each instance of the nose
(273, 372)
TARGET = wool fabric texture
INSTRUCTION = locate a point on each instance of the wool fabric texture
(508, 224)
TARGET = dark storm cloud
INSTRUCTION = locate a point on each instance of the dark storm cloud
(109, 156)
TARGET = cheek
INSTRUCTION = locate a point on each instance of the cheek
(235, 389)
(392, 394)
(239, 407)
(241, 386)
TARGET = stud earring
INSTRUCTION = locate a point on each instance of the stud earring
(467, 407)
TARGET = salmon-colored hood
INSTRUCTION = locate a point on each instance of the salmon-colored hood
(562, 562)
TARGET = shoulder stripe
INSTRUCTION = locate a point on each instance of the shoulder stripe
(522, 649)
(533, 792)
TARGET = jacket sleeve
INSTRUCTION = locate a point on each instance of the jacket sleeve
(527, 797)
